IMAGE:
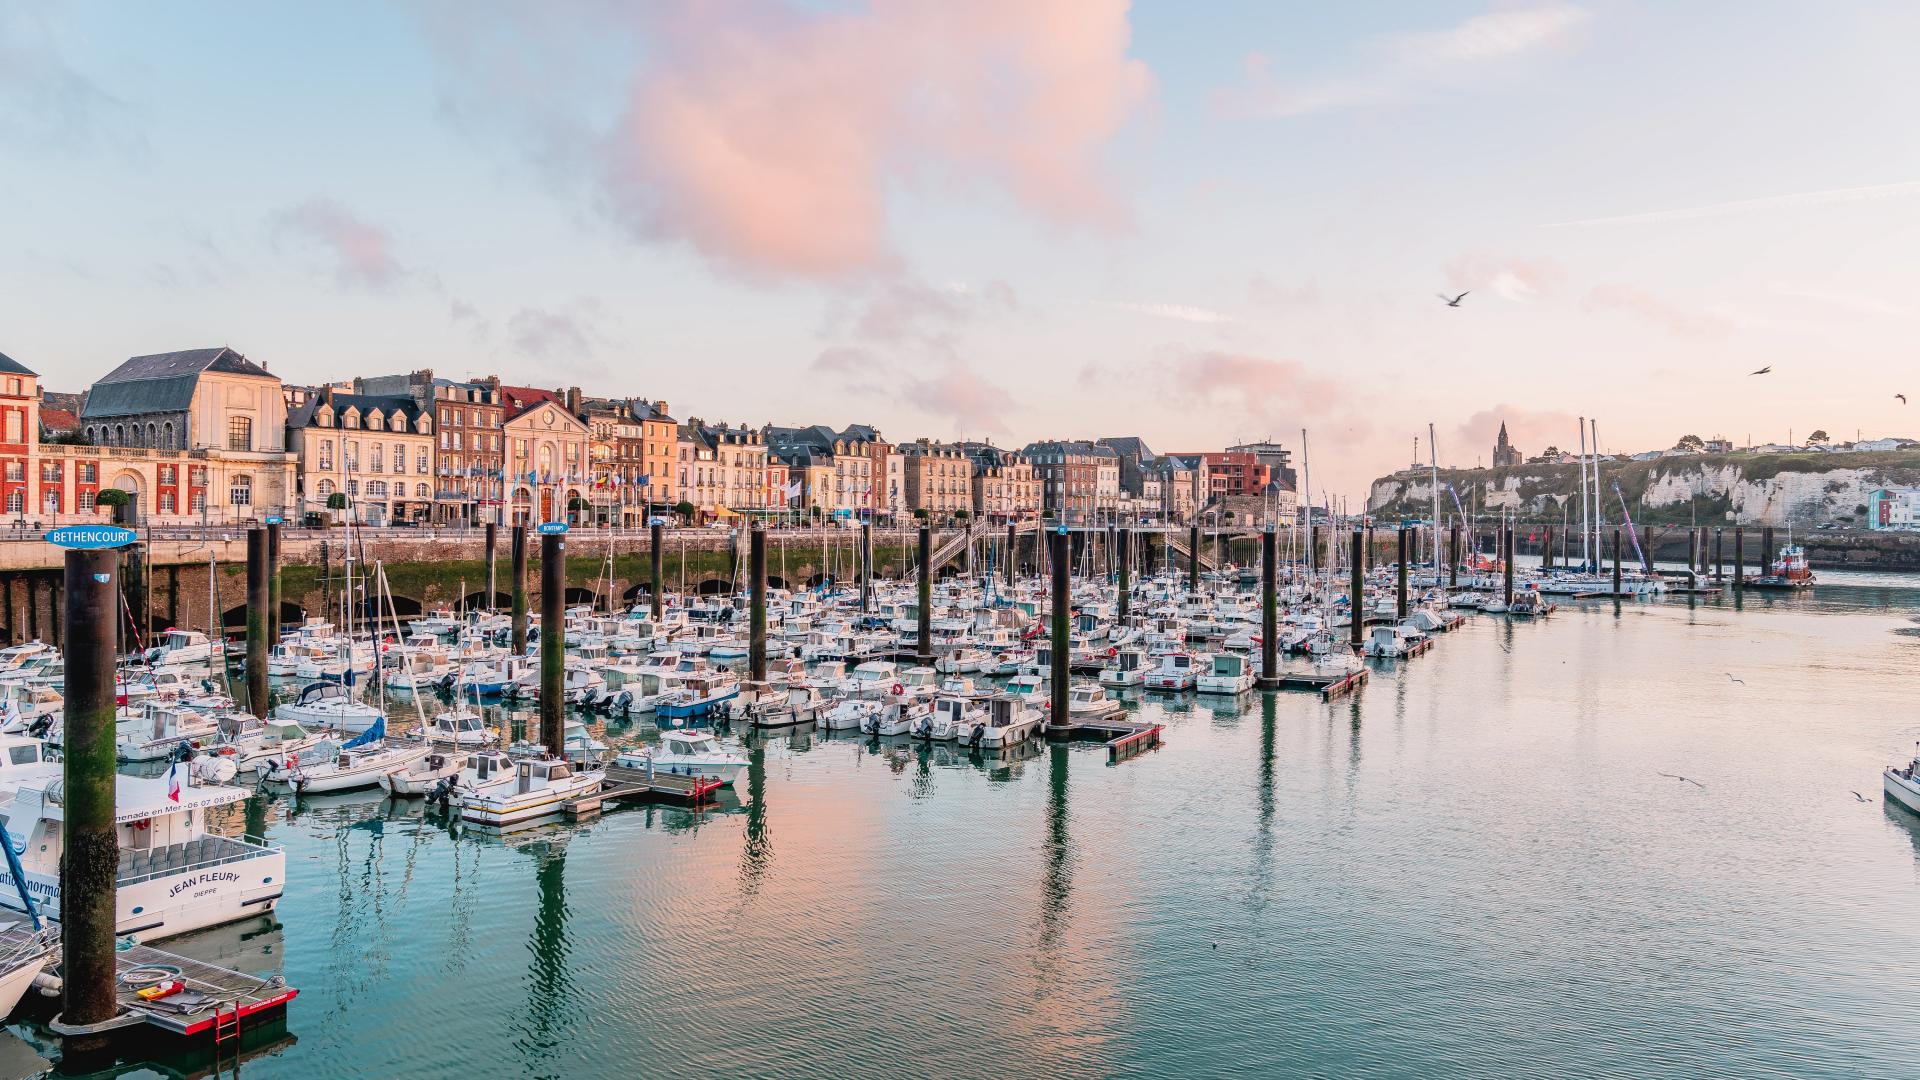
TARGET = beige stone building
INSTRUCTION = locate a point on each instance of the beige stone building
(939, 477)
(378, 451)
(547, 465)
(224, 413)
(722, 469)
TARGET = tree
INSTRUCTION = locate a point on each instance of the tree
(920, 512)
(1691, 442)
(1818, 438)
(816, 512)
(337, 501)
(576, 503)
(962, 514)
(112, 497)
(684, 509)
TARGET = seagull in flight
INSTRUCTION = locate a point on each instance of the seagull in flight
(1762, 371)
(1742, 682)
(1902, 397)
(1688, 779)
(1861, 797)
(1452, 301)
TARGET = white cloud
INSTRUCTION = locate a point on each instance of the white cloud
(1828, 197)
(1178, 312)
(1410, 61)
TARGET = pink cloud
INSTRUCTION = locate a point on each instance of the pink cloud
(1654, 309)
(1511, 279)
(361, 251)
(1532, 430)
(767, 136)
(1281, 395)
(972, 402)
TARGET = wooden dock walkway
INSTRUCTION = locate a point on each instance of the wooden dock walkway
(1124, 738)
(216, 1001)
(1330, 686)
(620, 782)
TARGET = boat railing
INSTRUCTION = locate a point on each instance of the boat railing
(145, 864)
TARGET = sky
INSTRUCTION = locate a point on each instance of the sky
(1198, 223)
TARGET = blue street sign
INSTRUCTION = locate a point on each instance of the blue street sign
(276, 521)
(656, 521)
(92, 536)
(549, 528)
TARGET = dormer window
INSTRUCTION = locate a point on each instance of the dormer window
(324, 418)
(350, 418)
(374, 422)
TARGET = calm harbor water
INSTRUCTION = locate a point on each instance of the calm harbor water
(1473, 868)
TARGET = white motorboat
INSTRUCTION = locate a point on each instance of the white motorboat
(157, 733)
(577, 744)
(1091, 702)
(180, 647)
(686, 753)
(1010, 720)
(872, 679)
(424, 774)
(255, 742)
(1177, 671)
(898, 716)
(1902, 783)
(960, 718)
(1125, 667)
(330, 705)
(849, 715)
(348, 766)
(1230, 673)
(538, 788)
(21, 961)
(174, 876)
(458, 727)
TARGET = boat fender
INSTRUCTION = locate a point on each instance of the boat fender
(898, 689)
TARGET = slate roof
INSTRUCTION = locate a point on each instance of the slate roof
(162, 382)
(302, 415)
(14, 367)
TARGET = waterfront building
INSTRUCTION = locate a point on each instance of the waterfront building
(469, 480)
(213, 413)
(1277, 458)
(659, 433)
(1131, 458)
(19, 432)
(616, 457)
(1894, 509)
(722, 469)
(378, 451)
(546, 457)
(855, 456)
(468, 449)
(1004, 487)
(939, 477)
(1079, 480)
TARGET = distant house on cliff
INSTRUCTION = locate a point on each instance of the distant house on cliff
(1889, 509)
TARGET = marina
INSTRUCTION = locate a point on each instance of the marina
(576, 769)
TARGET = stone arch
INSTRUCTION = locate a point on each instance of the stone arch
(713, 586)
(577, 595)
(475, 600)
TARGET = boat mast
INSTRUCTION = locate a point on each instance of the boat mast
(1306, 484)
(1433, 471)
(1595, 426)
(1585, 565)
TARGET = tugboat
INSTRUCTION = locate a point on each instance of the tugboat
(1789, 571)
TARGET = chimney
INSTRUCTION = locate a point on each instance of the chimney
(573, 399)
(326, 395)
(661, 407)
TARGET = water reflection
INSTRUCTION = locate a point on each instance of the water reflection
(756, 853)
(1057, 883)
(550, 994)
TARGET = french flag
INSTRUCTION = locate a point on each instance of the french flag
(173, 781)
